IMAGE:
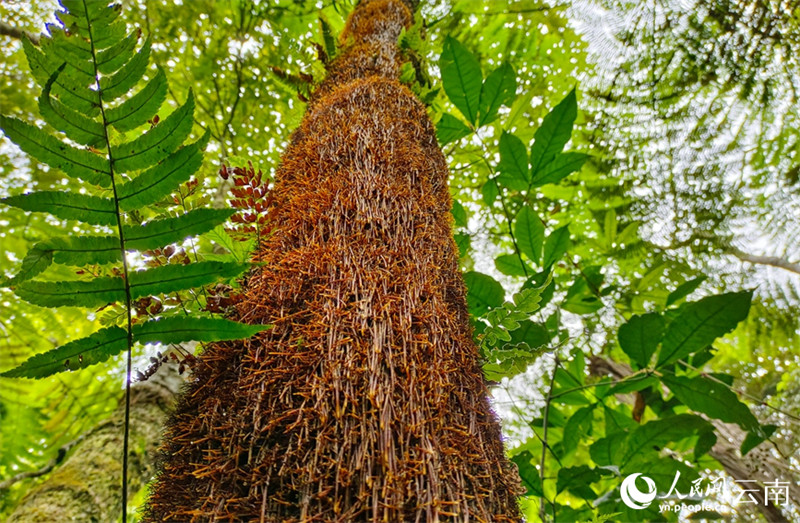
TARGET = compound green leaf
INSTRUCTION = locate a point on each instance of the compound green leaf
(71, 87)
(700, 323)
(509, 361)
(461, 78)
(75, 125)
(499, 88)
(513, 166)
(48, 149)
(328, 36)
(45, 59)
(529, 232)
(94, 293)
(171, 230)
(562, 166)
(640, 336)
(712, 398)
(83, 250)
(527, 300)
(69, 250)
(91, 12)
(105, 34)
(58, 48)
(77, 354)
(449, 129)
(36, 261)
(67, 205)
(179, 329)
(553, 134)
(161, 180)
(141, 107)
(156, 144)
(111, 59)
(171, 278)
(483, 292)
(78, 48)
(119, 83)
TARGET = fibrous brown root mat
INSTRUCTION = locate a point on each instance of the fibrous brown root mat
(365, 401)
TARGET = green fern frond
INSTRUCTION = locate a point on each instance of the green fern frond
(77, 163)
(85, 250)
(139, 108)
(328, 37)
(67, 206)
(103, 344)
(89, 69)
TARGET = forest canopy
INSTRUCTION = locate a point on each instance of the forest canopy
(625, 205)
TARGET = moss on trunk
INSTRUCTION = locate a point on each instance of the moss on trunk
(87, 486)
(366, 400)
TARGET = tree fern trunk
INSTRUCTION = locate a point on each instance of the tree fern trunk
(366, 400)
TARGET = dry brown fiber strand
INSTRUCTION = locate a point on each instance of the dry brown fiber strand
(365, 401)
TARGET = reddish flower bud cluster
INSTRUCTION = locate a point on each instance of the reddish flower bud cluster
(221, 297)
(169, 255)
(186, 190)
(148, 306)
(251, 199)
(184, 361)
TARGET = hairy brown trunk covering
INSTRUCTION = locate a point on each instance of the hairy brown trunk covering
(365, 401)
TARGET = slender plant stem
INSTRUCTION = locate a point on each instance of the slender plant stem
(128, 301)
(544, 436)
(506, 212)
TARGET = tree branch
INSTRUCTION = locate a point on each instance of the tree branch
(62, 453)
(7, 29)
(772, 261)
(521, 11)
(763, 468)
